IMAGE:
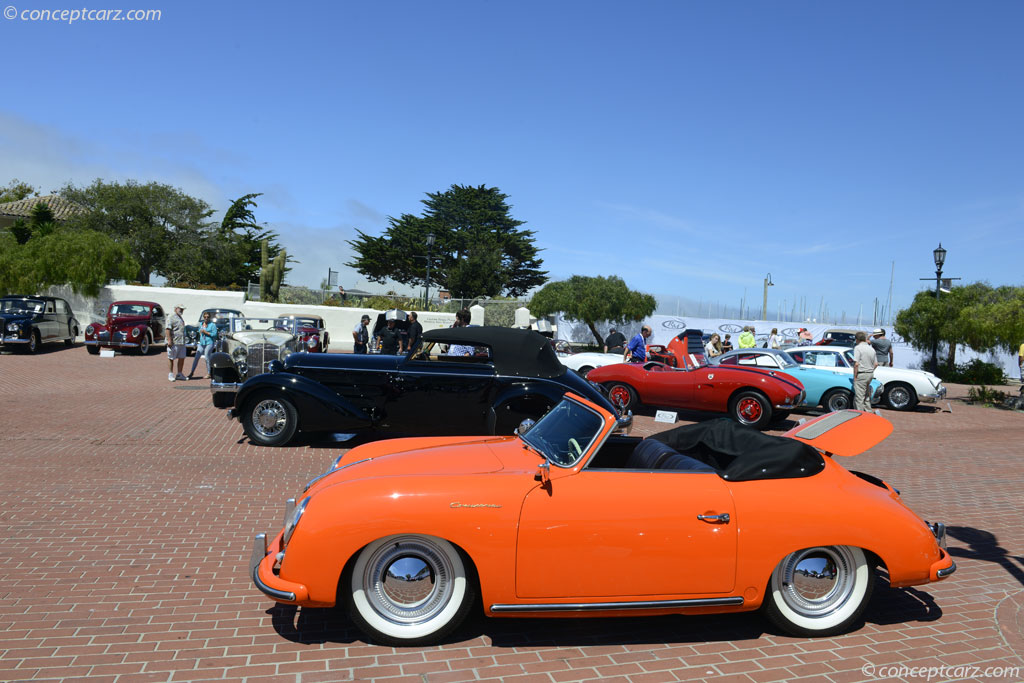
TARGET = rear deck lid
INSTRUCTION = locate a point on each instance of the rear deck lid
(844, 432)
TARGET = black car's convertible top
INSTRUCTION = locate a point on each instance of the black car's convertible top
(740, 453)
(514, 352)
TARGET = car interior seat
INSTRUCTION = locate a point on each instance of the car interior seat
(655, 455)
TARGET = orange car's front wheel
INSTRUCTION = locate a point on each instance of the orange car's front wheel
(820, 591)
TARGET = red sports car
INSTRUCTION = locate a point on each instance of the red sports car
(750, 395)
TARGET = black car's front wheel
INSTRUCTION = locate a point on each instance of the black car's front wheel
(409, 590)
(819, 591)
(33, 342)
(269, 420)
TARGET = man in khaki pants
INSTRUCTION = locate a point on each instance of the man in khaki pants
(864, 364)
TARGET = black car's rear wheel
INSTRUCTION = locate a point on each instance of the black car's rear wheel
(819, 591)
(409, 589)
(269, 420)
(72, 335)
(751, 408)
(93, 349)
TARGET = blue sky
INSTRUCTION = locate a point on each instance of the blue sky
(690, 147)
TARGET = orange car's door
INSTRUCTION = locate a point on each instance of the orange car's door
(603, 533)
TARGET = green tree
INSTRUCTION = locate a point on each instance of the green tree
(151, 219)
(240, 226)
(17, 190)
(479, 248)
(591, 300)
(84, 259)
(977, 316)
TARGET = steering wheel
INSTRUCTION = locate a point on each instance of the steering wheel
(576, 446)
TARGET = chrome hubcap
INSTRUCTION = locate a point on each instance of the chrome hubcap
(899, 397)
(817, 581)
(838, 402)
(408, 581)
(269, 418)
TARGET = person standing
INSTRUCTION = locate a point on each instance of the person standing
(773, 339)
(462, 319)
(1020, 362)
(361, 335)
(204, 348)
(864, 363)
(747, 340)
(614, 342)
(342, 294)
(176, 344)
(414, 338)
(389, 339)
(636, 350)
(882, 347)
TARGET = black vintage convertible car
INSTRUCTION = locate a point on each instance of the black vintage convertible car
(26, 322)
(467, 380)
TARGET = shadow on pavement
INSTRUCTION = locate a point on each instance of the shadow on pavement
(983, 545)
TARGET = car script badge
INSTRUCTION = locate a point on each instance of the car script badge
(473, 505)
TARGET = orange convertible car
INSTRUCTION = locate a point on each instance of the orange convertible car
(569, 518)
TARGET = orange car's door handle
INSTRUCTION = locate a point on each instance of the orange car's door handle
(715, 519)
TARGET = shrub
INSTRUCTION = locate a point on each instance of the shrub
(986, 396)
(974, 372)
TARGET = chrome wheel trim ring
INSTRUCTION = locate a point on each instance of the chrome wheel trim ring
(899, 397)
(620, 394)
(408, 581)
(749, 410)
(33, 344)
(269, 418)
(817, 582)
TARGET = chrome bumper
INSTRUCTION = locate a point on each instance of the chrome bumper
(939, 531)
(120, 345)
(943, 573)
(798, 401)
(222, 387)
(939, 394)
(13, 340)
(259, 551)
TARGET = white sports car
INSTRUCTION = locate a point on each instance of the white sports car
(903, 388)
(584, 362)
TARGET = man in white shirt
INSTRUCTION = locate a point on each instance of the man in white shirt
(864, 364)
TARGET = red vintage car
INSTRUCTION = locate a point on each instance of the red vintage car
(751, 395)
(132, 325)
(311, 331)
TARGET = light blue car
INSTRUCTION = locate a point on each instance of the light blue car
(826, 387)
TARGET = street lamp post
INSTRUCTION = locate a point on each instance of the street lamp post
(426, 295)
(940, 257)
(764, 304)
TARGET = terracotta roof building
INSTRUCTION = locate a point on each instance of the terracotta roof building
(62, 209)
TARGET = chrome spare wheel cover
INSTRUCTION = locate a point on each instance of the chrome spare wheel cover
(899, 397)
(408, 581)
(817, 581)
(269, 418)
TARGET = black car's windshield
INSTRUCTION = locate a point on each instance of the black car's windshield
(565, 433)
(21, 306)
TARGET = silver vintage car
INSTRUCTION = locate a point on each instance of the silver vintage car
(247, 347)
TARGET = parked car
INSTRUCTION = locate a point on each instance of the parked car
(246, 350)
(311, 331)
(569, 518)
(751, 395)
(586, 361)
(825, 387)
(902, 388)
(514, 375)
(221, 317)
(132, 325)
(27, 322)
(838, 336)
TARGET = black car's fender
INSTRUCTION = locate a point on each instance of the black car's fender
(517, 402)
(222, 368)
(319, 408)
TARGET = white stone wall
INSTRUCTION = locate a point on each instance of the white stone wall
(339, 321)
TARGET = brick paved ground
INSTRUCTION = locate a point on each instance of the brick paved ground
(130, 502)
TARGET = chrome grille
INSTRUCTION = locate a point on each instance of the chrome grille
(259, 355)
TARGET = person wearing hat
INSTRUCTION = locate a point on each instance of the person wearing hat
(882, 347)
(176, 344)
(361, 335)
(805, 337)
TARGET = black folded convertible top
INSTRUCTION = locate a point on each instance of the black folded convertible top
(740, 453)
(514, 352)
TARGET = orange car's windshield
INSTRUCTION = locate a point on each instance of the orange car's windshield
(565, 433)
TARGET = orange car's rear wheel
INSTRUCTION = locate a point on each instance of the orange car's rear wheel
(820, 591)
(410, 589)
